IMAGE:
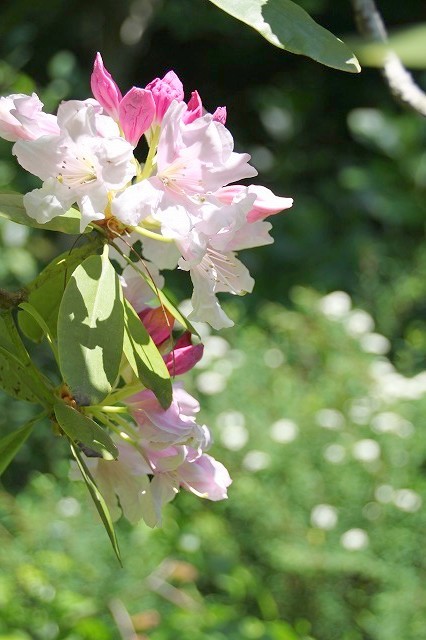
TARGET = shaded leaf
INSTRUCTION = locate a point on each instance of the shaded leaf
(10, 444)
(144, 357)
(46, 291)
(98, 500)
(91, 329)
(287, 26)
(12, 208)
(81, 428)
(18, 375)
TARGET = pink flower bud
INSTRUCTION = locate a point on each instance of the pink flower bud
(220, 115)
(164, 91)
(184, 356)
(104, 88)
(136, 112)
(195, 108)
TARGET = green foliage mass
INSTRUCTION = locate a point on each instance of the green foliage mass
(289, 422)
(258, 567)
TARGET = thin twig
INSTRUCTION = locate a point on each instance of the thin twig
(400, 82)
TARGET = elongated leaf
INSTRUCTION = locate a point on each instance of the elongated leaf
(163, 298)
(80, 428)
(144, 357)
(91, 329)
(287, 26)
(18, 375)
(14, 379)
(12, 208)
(98, 500)
(46, 291)
(10, 444)
(34, 314)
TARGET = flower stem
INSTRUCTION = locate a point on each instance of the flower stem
(150, 234)
(120, 394)
(147, 170)
(107, 409)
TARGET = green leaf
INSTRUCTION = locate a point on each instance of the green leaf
(144, 357)
(91, 330)
(168, 304)
(99, 501)
(162, 297)
(81, 428)
(287, 26)
(18, 375)
(29, 309)
(10, 444)
(46, 291)
(12, 208)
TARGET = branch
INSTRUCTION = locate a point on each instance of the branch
(9, 299)
(399, 80)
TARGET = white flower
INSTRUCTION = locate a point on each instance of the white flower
(80, 165)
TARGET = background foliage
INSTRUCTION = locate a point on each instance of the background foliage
(309, 416)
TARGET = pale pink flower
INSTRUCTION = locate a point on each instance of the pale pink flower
(193, 160)
(77, 166)
(176, 467)
(22, 118)
(265, 204)
(205, 476)
(165, 427)
(216, 272)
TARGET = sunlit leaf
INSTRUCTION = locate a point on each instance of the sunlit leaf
(81, 428)
(144, 357)
(46, 291)
(98, 500)
(288, 26)
(91, 329)
(12, 208)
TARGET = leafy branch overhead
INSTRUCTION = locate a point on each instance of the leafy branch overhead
(287, 26)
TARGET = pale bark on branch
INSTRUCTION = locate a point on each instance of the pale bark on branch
(401, 83)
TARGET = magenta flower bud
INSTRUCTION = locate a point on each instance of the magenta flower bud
(136, 113)
(158, 322)
(184, 356)
(220, 115)
(195, 108)
(164, 91)
(104, 88)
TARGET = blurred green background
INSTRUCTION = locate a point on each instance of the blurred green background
(316, 398)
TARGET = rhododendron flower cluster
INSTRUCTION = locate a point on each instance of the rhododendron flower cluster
(157, 179)
(182, 194)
